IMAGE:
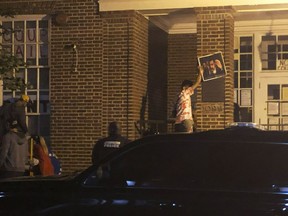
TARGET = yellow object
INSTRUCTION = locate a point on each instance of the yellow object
(25, 98)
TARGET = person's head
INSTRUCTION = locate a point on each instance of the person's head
(187, 86)
(212, 66)
(114, 128)
(39, 140)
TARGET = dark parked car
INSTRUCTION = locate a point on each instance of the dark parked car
(238, 171)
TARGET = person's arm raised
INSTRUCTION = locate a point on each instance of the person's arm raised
(199, 78)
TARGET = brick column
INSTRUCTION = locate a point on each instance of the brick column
(125, 69)
(215, 32)
(76, 94)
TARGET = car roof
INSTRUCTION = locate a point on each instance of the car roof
(241, 134)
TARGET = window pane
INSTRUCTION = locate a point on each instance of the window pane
(273, 92)
(43, 31)
(245, 80)
(235, 80)
(32, 106)
(43, 55)
(19, 32)
(32, 77)
(33, 125)
(44, 102)
(7, 32)
(246, 114)
(235, 65)
(246, 44)
(271, 62)
(245, 97)
(285, 47)
(283, 39)
(44, 78)
(236, 96)
(31, 32)
(21, 73)
(246, 62)
(7, 95)
(7, 49)
(19, 51)
(31, 54)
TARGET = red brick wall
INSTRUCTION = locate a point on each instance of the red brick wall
(215, 32)
(76, 96)
(125, 68)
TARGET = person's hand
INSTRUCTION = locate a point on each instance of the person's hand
(33, 162)
(218, 64)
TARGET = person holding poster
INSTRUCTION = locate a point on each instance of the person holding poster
(183, 109)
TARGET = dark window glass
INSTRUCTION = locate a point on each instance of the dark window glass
(7, 32)
(246, 62)
(271, 61)
(246, 114)
(235, 80)
(245, 80)
(285, 47)
(235, 65)
(246, 44)
(32, 77)
(285, 56)
(44, 78)
(273, 92)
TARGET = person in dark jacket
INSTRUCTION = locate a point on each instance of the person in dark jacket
(20, 115)
(13, 153)
(105, 146)
(15, 111)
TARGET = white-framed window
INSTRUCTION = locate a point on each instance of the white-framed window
(243, 76)
(30, 42)
(277, 106)
(274, 52)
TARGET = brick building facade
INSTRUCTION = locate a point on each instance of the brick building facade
(124, 68)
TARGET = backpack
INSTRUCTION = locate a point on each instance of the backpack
(55, 162)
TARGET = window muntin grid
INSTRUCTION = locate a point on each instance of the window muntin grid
(30, 42)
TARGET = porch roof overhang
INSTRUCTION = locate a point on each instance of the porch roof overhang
(180, 17)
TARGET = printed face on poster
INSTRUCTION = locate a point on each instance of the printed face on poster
(213, 66)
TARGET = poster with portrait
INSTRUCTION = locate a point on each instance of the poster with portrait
(213, 66)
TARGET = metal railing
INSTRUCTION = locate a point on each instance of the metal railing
(149, 127)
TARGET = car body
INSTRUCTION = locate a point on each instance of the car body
(238, 171)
